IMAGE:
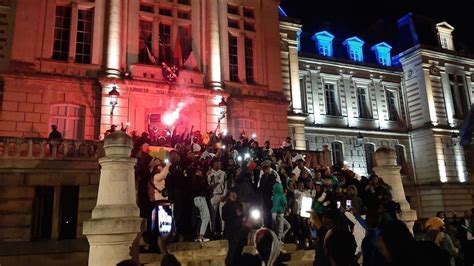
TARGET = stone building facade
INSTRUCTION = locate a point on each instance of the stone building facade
(61, 59)
(356, 97)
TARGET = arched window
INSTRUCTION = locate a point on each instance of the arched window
(337, 152)
(369, 157)
(401, 160)
(70, 120)
(247, 125)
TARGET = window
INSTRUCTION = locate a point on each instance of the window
(233, 59)
(61, 33)
(444, 43)
(165, 43)
(233, 23)
(249, 26)
(363, 103)
(323, 42)
(369, 157)
(459, 96)
(145, 42)
(69, 119)
(382, 53)
(183, 2)
(383, 61)
(84, 36)
(165, 12)
(42, 212)
(146, 8)
(392, 103)
(330, 94)
(69, 199)
(247, 125)
(249, 60)
(184, 15)
(324, 49)
(400, 151)
(241, 35)
(233, 10)
(171, 43)
(355, 55)
(337, 153)
(248, 13)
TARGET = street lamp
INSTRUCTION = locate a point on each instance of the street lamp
(222, 108)
(113, 96)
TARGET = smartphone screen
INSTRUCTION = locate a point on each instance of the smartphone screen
(338, 204)
(165, 220)
(348, 204)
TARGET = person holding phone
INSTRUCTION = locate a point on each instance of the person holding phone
(158, 197)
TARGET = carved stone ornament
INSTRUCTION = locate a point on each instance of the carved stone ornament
(434, 70)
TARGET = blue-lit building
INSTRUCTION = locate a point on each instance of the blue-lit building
(408, 92)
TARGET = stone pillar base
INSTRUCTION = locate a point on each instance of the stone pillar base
(408, 217)
(113, 240)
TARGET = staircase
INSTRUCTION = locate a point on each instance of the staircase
(214, 253)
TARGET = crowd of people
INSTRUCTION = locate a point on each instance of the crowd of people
(221, 187)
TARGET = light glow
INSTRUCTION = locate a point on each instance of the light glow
(255, 214)
(246, 156)
(239, 158)
(254, 135)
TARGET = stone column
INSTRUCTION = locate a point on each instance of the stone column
(215, 47)
(115, 227)
(114, 38)
(389, 171)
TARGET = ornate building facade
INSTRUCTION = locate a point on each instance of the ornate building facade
(356, 97)
(62, 60)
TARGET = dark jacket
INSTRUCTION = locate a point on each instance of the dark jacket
(230, 215)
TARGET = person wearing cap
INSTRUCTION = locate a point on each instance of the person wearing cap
(301, 171)
(436, 233)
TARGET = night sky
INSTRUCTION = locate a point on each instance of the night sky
(369, 19)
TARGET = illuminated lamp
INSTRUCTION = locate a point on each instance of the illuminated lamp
(222, 109)
(113, 96)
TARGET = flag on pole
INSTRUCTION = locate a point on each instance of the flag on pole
(467, 128)
(150, 56)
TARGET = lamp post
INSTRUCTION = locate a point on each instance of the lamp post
(222, 108)
(113, 96)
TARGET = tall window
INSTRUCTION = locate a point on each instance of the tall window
(68, 205)
(233, 59)
(459, 95)
(165, 43)
(369, 157)
(392, 105)
(84, 36)
(172, 43)
(145, 43)
(42, 212)
(337, 153)
(249, 60)
(355, 55)
(61, 33)
(241, 26)
(363, 102)
(400, 151)
(331, 96)
(69, 119)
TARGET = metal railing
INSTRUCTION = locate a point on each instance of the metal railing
(42, 148)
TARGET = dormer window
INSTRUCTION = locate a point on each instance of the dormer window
(323, 41)
(445, 36)
(382, 53)
(354, 48)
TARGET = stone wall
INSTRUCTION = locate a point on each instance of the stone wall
(27, 102)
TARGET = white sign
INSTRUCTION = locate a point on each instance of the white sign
(306, 203)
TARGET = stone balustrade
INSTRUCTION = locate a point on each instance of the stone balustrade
(42, 148)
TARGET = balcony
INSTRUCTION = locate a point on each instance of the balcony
(26, 153)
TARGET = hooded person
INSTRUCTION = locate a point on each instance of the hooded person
(268, 249)
(279, 203)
